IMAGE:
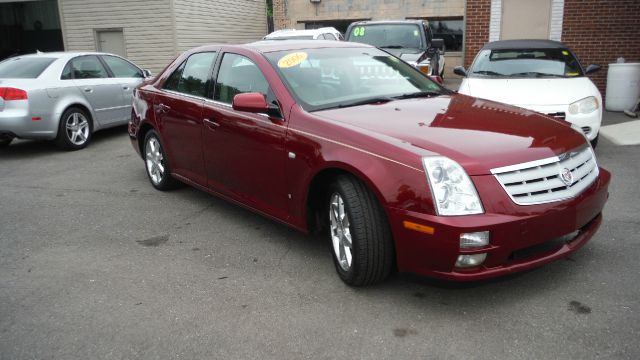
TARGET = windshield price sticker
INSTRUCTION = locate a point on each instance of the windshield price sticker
(565, 52)
(292, 60)
(359, 31)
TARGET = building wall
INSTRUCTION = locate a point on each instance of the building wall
(147, 26)
(477, 18)
(600, 31)
(222, 21)
(288, 13)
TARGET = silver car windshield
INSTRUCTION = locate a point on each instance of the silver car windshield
(24, 68)
(339, 77)
(526, 63)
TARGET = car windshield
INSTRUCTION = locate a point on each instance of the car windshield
(388, 35)
(327, 78)
(526, 63)
(24, 68)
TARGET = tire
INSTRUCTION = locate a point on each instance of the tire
(594, 142)
(368, 258)
(5, 141)
(75, 129)
(155, 162)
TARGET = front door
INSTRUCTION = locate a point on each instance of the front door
(244, 152)
(129, 76)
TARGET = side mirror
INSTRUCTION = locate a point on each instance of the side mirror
(146, 73)
(459, 70)
(438, 44)
(591, 69)
(250, 102)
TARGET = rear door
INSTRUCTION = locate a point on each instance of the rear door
(129, 76)
(103, 93)
(178, 108)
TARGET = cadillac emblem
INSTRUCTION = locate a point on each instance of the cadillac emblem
(566, 176)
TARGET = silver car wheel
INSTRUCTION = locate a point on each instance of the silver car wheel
(154, 160)
(77, 127)
(340, 232)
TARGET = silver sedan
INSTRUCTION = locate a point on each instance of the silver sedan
(65, 96)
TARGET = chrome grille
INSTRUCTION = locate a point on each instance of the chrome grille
(548, 180)
(558, 115)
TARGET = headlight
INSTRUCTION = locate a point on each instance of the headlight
(584, 106)
(452, 189)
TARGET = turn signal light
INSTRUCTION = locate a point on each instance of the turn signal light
(9, 94)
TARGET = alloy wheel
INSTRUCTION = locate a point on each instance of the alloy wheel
(340, 232)
(77, 127)
(154, 160)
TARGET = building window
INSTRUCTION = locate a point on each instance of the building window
(450, 30)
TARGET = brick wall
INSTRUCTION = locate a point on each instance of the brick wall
(600, 31)
(477, 28)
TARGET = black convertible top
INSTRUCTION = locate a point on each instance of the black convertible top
(524, 44)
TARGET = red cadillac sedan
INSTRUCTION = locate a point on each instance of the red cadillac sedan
(348, 140)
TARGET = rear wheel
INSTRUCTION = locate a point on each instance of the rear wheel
(156, 164)
(360, 235)
(75, 129)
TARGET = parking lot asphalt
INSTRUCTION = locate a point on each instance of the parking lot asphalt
(96, 264)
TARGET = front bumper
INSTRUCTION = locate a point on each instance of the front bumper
(514, 230)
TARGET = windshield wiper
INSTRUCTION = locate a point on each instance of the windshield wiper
(487, 72)
(392, 47)
(418, 94)
(536, 74)
(373, 100)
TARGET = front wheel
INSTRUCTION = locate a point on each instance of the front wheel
(156, 164)
(360, 235)
(5, 141)
(75, 129)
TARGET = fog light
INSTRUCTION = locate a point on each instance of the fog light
(474, 239)
(470, 260)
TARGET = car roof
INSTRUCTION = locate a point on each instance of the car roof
(62, 54)
(266, 46)
(524, 44)
(390, 22)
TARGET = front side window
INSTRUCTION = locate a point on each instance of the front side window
(526, 63)
(85, 67)
(338, 77)
(122, 68)
(24, 68)
(238, 75)
(192, 77)
(450, 31)
(388, 35)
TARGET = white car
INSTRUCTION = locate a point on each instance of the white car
(539, 75)
(325, 33)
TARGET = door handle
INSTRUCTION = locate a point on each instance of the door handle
(125, 88)
(211, 124)
(88, 89)
(163, 108)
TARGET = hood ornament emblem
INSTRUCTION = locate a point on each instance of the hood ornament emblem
(566, 176)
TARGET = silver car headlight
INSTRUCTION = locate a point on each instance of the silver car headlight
(584, 106)
(452, 189)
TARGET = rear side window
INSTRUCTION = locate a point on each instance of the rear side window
(84, 67)
(122, 68)
(24, 68)
(192, 77)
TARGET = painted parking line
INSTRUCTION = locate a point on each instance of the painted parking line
(626, 133)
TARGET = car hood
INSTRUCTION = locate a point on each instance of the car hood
(406, 54)
(479, 134)
(530, 92)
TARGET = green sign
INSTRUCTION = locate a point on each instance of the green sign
(359, 31)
